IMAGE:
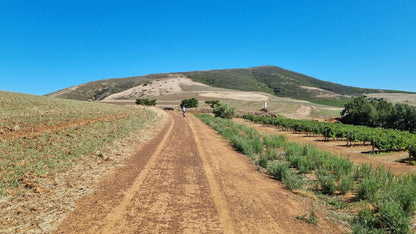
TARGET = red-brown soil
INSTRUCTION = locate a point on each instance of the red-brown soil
(358, 154)
(8, 133)
(188, 179)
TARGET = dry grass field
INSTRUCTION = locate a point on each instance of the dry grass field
(52, 152)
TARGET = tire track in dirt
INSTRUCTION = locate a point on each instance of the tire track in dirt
(175, 198)
(116, 213)
(188, 179)
(220, 202)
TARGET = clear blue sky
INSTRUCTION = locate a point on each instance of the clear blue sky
(47, 45)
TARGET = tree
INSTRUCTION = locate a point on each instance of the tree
(223, 111)
(189, 103)
(379, 113)
(384, 113)
(358, 111)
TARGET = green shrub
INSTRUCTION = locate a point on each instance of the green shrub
(391, 218)
(301, 163)
(364, 222)
(363, 170)
(223, 111)
(242, 144)
(271, 154)
(368, 188)
(387, 217)
(342, 167)
(327, 181)
(256, 144)
(292, 149)
(275, 141)
(292, 180)
(146, 102)
(277, 169)
(263, 160)
(345, 184)
(404, 193)
(190, 103)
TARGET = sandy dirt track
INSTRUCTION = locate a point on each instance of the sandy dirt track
(188, 179)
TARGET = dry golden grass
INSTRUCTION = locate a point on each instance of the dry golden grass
(44, 170)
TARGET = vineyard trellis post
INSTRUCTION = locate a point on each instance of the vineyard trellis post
(410, 153)
(373, 144)
(348, 138)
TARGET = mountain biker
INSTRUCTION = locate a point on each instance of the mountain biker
(183, 110)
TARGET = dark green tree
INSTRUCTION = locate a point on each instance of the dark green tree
(358, 111)
(379, 113)
(190, 103)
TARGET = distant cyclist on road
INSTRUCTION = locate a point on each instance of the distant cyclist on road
(183, 110)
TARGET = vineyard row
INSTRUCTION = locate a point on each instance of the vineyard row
(382, 139)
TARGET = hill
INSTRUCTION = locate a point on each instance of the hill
(269, 79)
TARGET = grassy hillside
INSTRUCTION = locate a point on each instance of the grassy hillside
(42, 135)
(98, 90)
(269, 79)
(51, 147)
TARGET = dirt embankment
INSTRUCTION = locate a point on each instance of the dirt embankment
(188, 179)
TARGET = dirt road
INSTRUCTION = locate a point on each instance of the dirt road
(188, 179)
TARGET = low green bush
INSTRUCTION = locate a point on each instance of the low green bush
(327, 181)
(146, 102)
(275, 141)
(346, 183)
(277, 169)
(263, 160)
(292, 180)
(242, 144)
(368, 188)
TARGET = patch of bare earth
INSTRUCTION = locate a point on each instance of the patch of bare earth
(408, 98)
(159, 87)
(321, 93)
(357, 154)
(188, 179)
(42, 209)
(7, 133)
